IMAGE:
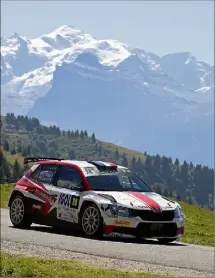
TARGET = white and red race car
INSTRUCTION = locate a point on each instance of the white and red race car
(98, 197)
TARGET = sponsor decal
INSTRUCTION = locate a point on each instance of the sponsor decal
(67, 214)
(123, 170)
(39, 207)
(142, 207)
(67, 200)
(46, 197)
(90, 170)
(124, 223)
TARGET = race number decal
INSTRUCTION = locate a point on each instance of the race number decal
(74, 202)
(68, 201)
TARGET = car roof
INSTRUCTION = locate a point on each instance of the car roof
(81, 163)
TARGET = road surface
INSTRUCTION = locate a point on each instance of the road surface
(183, 256)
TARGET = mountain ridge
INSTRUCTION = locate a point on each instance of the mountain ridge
(63, 44)
(154, 103)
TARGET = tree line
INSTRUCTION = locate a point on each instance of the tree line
(193, 184)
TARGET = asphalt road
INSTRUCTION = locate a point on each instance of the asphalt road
(200, 258)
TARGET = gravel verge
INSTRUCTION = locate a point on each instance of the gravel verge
(97, 261)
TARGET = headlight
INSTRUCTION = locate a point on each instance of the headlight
(178, 212)
(124, 212)
(114, 211)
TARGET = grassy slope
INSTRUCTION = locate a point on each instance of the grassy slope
(199, 227)
(23, 266)
(11, 158)
(82, 147)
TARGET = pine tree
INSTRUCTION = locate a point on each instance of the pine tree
(178, 197)
(24, 151)
(76, 133)
(28, 149)
(165, 192)
(82, 134)
(133, 163)
(6, 170)
(177, 164)
(72, 155)
(124, 160)
(19, 148)
(117, 154)
(170, 193)
(17, 125)
(85, 134)
(16, 170)
(13, 151)
(39, 130)
(6, 145)
(51, 152)
(158, 189)
(190, 201)
(100, 150)
(93, 138)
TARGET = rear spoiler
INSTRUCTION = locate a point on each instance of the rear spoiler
(36, 159)
(104, 168)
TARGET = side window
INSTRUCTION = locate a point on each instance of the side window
(34, 176)
(44, 173)
(68, 177)
(134, 182)
(125, 182)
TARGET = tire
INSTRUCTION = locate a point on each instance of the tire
(95, 222)
(166, 240)
(18, 213)
(139, 238)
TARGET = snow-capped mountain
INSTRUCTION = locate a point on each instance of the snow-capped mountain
(34, 61)
(149, 97)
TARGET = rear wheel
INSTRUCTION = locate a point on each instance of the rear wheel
(18, 213)
(91, 221)
(166, 240)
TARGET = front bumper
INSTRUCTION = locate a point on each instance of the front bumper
(135, 226)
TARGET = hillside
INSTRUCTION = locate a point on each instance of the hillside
(23, 136)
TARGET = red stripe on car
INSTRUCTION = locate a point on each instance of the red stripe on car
(146, 200)
(112, 164)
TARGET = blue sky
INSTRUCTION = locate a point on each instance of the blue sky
(157, 26)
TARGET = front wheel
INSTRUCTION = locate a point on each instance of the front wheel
(166, 240)
(18, 213)
(91, 221)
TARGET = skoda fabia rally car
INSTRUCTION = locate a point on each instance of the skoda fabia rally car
(97, 197)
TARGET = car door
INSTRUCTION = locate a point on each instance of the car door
(43, 180)
(68, 187)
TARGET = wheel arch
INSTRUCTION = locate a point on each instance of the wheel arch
(13, 194)
(87, 202)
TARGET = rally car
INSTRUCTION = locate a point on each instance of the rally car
(97, 197)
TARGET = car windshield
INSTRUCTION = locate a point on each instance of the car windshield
(117, 182)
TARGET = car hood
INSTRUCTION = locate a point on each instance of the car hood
(139, 200)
